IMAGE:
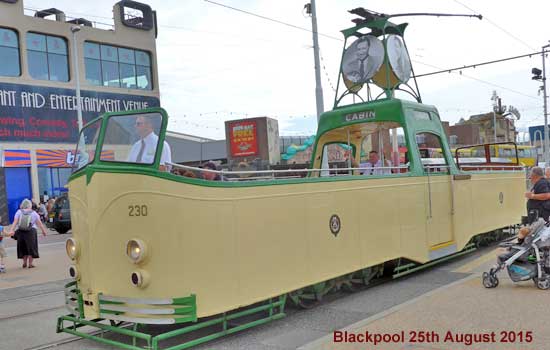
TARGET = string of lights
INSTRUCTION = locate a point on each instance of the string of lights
(326, 72)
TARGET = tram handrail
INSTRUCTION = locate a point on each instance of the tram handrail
(224, 173)
(244, 175)
(519, 167)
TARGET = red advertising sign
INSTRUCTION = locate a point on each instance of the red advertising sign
(243, 138)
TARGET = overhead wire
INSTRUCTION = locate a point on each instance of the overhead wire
(449, 70)
(497, 26)
(270, 19)
(476, 79)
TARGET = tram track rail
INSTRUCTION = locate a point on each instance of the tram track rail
(11, 300)
(7, 318)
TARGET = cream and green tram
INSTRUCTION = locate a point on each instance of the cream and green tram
(152, 247)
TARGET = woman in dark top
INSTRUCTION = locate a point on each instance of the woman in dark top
(539, 197)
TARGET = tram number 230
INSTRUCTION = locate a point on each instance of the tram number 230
(137, 210)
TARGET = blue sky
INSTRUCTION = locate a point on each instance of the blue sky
(217, 64)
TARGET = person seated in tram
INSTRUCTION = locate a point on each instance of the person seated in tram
(374, 165)
(539, 196)
(210, 175)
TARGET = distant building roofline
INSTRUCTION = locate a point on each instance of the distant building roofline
(195, 138)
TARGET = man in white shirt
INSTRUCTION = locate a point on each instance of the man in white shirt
(372, 167)
(143, 151)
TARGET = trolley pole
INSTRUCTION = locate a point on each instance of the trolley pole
(318, 88)
(546, 143)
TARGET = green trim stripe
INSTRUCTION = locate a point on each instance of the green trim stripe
(148, 310)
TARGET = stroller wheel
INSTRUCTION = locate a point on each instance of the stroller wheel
(489, 281)
(542, 284)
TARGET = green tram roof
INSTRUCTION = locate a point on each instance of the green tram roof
(383, 110)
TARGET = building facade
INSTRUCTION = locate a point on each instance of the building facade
(42, 55)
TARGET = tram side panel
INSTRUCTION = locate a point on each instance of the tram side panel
(333, 212)
(497, 200)
(271, 242)
(463, 209)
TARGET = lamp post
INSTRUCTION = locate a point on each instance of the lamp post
(74, 30)
(494, 98)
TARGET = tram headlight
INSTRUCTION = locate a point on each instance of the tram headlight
(136, 250)
(73, 272)
(140, 278)
(72, 248)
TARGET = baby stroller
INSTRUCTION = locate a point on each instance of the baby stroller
(525, 261)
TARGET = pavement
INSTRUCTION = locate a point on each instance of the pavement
(53, 264)
(459, 315)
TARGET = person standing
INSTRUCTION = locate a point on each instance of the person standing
(3, 254)
(539, 196)
(144, 150)
(26, 220)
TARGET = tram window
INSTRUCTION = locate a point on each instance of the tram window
(506, 153)
(9, 53)
(131, 138)
(47, 57)
(362, 146)
(384, 147)
(87, 143)
(431, 163)
(115, 66)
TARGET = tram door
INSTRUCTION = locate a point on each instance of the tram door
(439, 224)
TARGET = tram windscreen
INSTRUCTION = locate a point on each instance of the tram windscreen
(86, 146)
(131, 138)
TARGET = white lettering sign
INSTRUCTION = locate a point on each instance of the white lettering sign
(359, 116)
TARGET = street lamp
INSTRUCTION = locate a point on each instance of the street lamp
(74, 30)
(494, 98)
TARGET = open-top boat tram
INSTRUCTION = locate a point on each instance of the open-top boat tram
(151, 247)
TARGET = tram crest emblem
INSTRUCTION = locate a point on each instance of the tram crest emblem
(334, 224)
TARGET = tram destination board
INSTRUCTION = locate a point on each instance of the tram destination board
(37, 114)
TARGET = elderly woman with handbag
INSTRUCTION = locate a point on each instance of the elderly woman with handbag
(26, 220)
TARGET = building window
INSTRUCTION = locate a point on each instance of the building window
(108, 65)
(9, 53)
(47, 56)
